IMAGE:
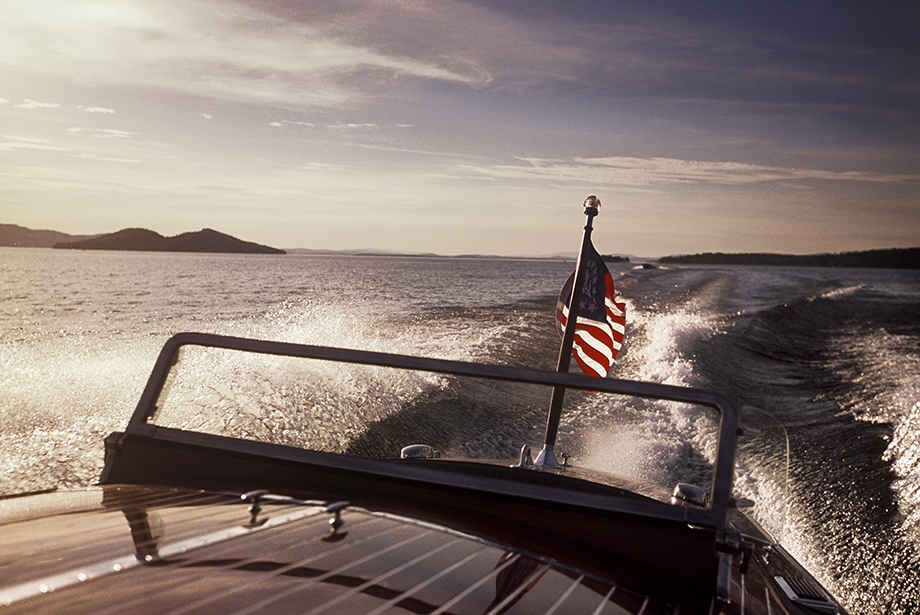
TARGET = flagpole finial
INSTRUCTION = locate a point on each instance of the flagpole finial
(592, 205)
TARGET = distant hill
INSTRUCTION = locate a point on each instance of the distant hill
(205, 240)
(898, 258)
(13, 236)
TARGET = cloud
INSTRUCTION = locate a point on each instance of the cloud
(291, 123)
(683, 63)
(222, 49)
(325, 167)
(11, 143)
(3, 101)
(367, 125)
(32, 104)
(96, 110)
(206, 116)
(24, 139)
(650, 172)
(88, 156)
(101, 133)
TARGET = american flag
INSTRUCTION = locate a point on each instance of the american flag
(601, 319)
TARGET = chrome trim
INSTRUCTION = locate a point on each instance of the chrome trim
(115, 565)
(816, 603)
(685, 492)
(546, 458)
(418, 451)
(526, 459)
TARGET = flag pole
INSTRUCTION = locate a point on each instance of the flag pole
(546, 458)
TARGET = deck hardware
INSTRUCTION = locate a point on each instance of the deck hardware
(799, 592)
(747, 549)
(419, 451)
(546, 458)
(741, 503)
(729, 541)
(526, 459)
(685, 492)
(723, 587)
(565, 460)
(255, 508)
(728, 544)
(336, 522)
(146, 540)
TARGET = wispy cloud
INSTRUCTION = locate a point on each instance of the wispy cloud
(24, 139)
(649, 172)
(324, 167)
(221, 49)
(101, 133)
(11, 143)
(366, 125)
(357, 51)
(96, 110)
(34, 104)
(291, 123)
(89, 156)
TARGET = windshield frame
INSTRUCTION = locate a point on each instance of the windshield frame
(714, 515)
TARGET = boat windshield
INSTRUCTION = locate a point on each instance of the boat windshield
(372, 411)
(762, 469)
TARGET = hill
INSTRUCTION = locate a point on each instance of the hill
(205, 240)
(13, 236)
(898, 258)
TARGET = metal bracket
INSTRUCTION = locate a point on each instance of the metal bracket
(546, 458)
(336, 522)
(255, 508)
(729, 544)
(418, 451)
(526, 460)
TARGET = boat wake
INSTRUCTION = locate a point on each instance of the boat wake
(832, 354)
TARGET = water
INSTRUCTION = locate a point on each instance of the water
(833, 354)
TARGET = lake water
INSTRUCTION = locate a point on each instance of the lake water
(833, 353)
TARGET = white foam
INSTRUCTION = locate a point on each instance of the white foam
(658, 353)
(838, 293)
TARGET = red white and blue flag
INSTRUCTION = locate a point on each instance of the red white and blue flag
(601, 319)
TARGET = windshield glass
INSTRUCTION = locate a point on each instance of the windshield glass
(762, 469)
(373, 412)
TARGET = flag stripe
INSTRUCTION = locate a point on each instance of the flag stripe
(601, 323)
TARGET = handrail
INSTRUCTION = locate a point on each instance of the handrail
(720, 490)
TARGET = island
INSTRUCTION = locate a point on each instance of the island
(15, 236)
(896, 258)
(205, 240)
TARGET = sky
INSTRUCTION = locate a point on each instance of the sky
(467, 127)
